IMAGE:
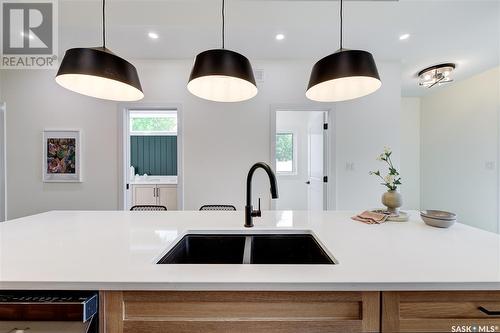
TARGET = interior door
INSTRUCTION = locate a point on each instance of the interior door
(316, 140)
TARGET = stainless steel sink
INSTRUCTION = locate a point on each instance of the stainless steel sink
(248, 248)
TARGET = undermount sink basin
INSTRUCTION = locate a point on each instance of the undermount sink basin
(264, 248)
(206, 249)
(294, 249)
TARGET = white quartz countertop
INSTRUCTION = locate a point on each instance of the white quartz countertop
(117, 251)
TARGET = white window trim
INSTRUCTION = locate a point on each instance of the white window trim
(295, 155)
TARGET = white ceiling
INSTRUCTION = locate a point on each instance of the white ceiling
(466, 32)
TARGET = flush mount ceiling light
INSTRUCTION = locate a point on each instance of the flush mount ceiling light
(343, 75)
(222, 75)
(436, 75)
(280, 37)
(98, 72)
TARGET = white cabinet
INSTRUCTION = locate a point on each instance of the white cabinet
(144, 195)
(167, 196)
(155, 194)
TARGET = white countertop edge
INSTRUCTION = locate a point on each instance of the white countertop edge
(130, 286)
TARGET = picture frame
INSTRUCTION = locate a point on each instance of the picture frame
(61, 162)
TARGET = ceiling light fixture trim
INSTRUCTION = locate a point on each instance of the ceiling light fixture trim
(436, 75)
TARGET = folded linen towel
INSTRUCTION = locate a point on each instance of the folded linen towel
(371, 217)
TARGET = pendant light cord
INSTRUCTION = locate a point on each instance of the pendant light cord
(223, 23)
(341, 23)
(104, 24)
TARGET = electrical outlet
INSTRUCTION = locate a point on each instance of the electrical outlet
(490, 165)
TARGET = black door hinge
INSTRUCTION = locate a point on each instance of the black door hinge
(325, 179)
(325, 126)
(128, 186)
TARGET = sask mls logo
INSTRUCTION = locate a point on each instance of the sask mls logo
(29, 34)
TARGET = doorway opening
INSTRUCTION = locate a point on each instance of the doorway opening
(301, 156)
(152, 157)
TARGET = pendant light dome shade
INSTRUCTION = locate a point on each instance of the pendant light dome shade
(97, 72)
(222, 75)
(344, 75)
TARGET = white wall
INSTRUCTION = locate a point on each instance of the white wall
(36, 102)
(410, 152)
(363, 127)
(221, 141)
(460, 149)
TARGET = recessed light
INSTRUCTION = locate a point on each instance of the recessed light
(280, 37)
(404, 36)
(153, 35)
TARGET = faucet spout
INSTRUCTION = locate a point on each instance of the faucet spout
(250, 213)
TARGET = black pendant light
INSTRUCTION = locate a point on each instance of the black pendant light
(222, 75)
(98, 72)
(343, 75)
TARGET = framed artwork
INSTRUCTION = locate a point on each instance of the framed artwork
(62, 156)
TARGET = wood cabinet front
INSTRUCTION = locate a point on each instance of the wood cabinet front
(163, 195)
(441, 311)
(235, 311)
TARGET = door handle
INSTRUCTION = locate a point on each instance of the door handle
(308, 182)
(488, 312)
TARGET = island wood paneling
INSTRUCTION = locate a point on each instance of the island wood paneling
(236, 311)
(438, 311)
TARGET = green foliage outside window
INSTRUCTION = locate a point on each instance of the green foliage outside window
(152, 124)
(284, 147)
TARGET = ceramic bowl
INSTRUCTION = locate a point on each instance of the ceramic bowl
(439, 219)
(438, 214)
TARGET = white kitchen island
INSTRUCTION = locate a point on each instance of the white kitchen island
(116, 253)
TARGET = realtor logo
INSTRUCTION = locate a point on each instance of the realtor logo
(29, 34)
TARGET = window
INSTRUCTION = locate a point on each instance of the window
(153, 122)
(285, 153)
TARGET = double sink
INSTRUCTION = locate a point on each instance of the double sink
(252, 248)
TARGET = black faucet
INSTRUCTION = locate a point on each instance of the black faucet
(249, 212)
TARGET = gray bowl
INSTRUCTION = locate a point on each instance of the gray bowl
(439, 215)
(439, 222)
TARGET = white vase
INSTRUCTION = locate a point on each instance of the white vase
(392, 200)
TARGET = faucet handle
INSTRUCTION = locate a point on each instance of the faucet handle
(257, 213)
